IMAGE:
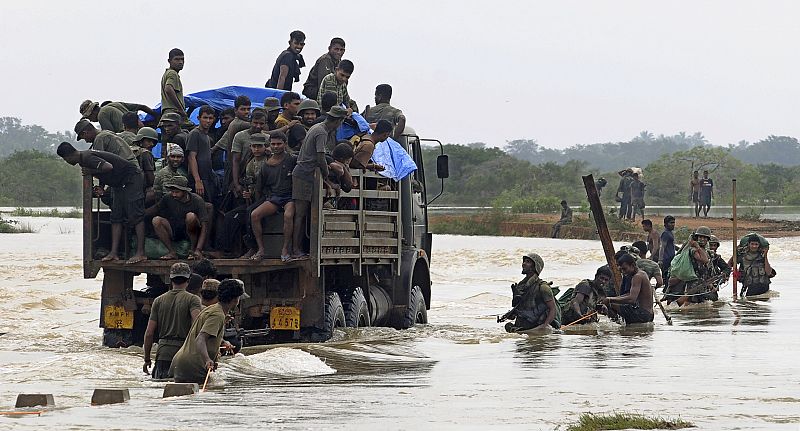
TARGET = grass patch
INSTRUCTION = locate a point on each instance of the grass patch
(486, 223)
(29, 212)
(13, 226)
(621, 421)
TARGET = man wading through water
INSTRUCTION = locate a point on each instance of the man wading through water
(533, 301)
(635, 302)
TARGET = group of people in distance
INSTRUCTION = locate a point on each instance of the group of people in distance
(213, 183)
(690, 274)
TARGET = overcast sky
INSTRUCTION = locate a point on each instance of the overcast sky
(561, 72)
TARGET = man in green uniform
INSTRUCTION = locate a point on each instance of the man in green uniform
(172, 88)
(103, 140)
(533, 301)
(130, 127)
(109, 115)
(197, 356)
(587, 294)
(754, 269)
(172, 169)
(142, 143)
(309, 112)
(178, 215)
(566, 218)
(384, 111)
(324, 65)
(171, 316)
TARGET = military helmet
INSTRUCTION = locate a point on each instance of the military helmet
(309, 104)
(538, 263)
(702, 231)
(713, 240)
(146, 132)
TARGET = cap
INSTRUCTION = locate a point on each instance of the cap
(178, 182)
(272, 102)
(80, 126)
(258, 138)
(309, 104)
(169, 116)
(180, 269)
(146, 132)
(87, 107)
(210, 284)
(337, 112)
(174, 149)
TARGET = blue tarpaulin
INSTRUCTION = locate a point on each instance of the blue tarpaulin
(391, 155)
(346, 131)
(221, 98)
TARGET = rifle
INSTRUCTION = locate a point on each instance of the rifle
(510, 314)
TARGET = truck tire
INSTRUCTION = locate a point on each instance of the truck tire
(416, 311)
(334, 315)
(356, 311)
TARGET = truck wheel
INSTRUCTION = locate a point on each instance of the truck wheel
(334, 315)
(415, 312)
(355, 310)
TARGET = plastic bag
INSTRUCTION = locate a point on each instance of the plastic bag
(681, 266)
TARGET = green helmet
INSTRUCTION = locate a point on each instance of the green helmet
(146, 132)
(713, 240)
(702, 231)
(309, 104)
(538, 263)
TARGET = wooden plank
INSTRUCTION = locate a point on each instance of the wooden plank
(602, 229)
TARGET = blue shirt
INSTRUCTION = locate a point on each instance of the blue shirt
(667, 251)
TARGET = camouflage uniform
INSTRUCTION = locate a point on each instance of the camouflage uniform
(163, 176)
(330, 84)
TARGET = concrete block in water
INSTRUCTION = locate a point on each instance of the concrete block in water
(180, 389)
(110, 396)
(33, 400)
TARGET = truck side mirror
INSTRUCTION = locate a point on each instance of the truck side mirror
(442, 166)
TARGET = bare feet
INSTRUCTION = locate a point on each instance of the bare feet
(248, 255)
(136, 259)
(257, 256)
(169, 256)
(110, 257)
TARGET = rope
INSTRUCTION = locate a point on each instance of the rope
(582, 318)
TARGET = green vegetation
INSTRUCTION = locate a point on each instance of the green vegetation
(13, 226)
(485, 223)
(55, 212)
(622, 421)
(32, 178)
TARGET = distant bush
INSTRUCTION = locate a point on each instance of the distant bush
(544, 204)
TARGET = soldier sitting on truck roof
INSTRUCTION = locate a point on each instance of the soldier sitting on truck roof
(130, 126)
(384, 111)
(171, 314)
(125, 178)
(179, 215)
(366, 146)
(172, 168)
(311, 159)
(143, 142)
(103, 140)
(110, 114)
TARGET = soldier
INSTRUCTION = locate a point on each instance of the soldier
(179, 215)
(103, 140)
(336, 83)
(308, 111)
(172, 88)
(171, 133)
(288, 64)
(718, 264)
(142, 143)
(533, 301)
(566, 218)
(241, 122)
(698, 290)
(173, 168)
(755, 271)
(635, 302)
(171, 315)
(130, 126)
(110, 114)
(587, 294)
(125, 179)
(324, 65)
(384, 111)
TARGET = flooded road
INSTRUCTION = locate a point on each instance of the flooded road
(721, 366)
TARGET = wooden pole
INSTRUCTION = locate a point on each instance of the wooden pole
(735, 238)
(602, 229)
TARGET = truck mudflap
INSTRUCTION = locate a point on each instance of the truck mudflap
(414, 271)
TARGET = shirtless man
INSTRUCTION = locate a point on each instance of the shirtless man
(694, 192)
(635, 302)
(366, 146)
(653, 239)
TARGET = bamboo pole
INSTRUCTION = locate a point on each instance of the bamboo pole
(735, 239)
(602, 229)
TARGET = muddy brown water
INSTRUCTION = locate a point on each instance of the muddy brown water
(722, 366)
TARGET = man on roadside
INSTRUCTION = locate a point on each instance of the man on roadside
(587, 294)
(288, 64)
(308, 111)
(197, 356)
(172, 88)
(653, 239)
(694, 192)
(635, 302)
(310, 160)
(533, 301)
(624, 189)
(566, 218)
(144, 141)
(706, 193)
(110, 114)
(130, 126)
(125, 179)
(173, 168)
(171, 133)
(384, 111)
(324, 65)
(336, 83)
(666, 252)
(171, 317)
(179, 215)
(637, 196)
(103, 140)
(198, 150)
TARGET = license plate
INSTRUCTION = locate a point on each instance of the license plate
(284, 318)
(117, 317)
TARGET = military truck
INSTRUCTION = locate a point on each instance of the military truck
(369, 265)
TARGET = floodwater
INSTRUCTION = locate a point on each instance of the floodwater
(721, 366)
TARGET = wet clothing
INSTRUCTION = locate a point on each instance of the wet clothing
(188, 365)
(592, 294)
(172, 78)
(161, 369)
(706, 191)
(383, 111)
(172, 311)
(110, 142)
(633, 313)
(324, 65)
(330, 84)
(753, 275)
(163, 176)
(530, 300)
(294, 61)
